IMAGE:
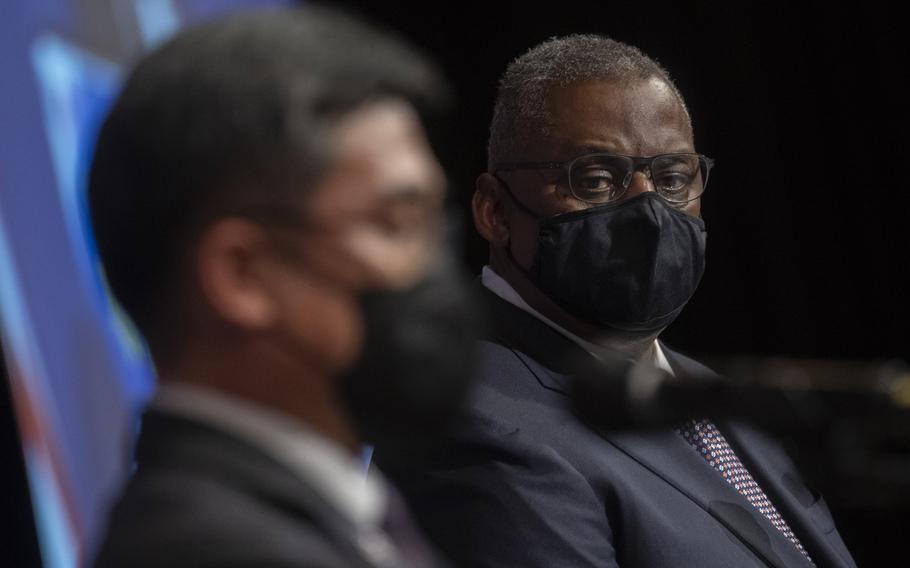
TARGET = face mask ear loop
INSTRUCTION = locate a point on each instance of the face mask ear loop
(521, 206)
(524, 209)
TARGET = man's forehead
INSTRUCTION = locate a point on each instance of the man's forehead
(381, 153)
(649, 94)
(640, 117)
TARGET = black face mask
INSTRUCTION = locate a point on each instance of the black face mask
(415, 367)
(629, 266)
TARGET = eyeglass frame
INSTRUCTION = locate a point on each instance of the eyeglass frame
(637, 163)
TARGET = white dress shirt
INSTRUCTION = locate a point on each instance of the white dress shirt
(325, 466)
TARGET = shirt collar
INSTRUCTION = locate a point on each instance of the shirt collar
(499, 286)
(326, 466)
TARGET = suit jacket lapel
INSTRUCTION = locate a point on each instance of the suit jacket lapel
(549, 355)
(669, 456)
(181, 443)
(775, 473)
(805, 512)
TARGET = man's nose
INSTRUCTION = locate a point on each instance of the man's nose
(640, 183)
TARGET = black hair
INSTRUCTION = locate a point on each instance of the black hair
(231, 114)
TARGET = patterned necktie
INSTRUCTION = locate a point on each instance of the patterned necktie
(710, 443)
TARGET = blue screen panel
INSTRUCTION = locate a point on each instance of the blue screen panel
(78, 372)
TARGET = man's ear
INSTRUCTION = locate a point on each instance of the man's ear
(229, 264)
(489, 212)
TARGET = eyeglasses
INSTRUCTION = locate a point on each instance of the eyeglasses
(603, 178)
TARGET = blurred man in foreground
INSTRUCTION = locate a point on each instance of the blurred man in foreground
(591, 207)
(268, 212)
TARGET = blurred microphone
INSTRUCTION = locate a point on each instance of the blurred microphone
(847, 422)
(786, 396)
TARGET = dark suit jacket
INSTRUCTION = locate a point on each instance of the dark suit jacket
(201, 497)
(522, 482)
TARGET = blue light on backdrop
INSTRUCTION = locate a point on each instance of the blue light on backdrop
(78, 372)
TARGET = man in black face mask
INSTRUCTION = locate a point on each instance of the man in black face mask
(268, 212)
(591, 205)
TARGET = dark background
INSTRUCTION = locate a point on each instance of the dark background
(803, 107)
(18, 540)
(805, 111)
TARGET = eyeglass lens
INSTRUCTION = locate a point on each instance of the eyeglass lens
(601, 178)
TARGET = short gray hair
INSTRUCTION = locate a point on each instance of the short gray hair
(521, 107)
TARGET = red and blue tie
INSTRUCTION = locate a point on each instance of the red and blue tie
(711, 444)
